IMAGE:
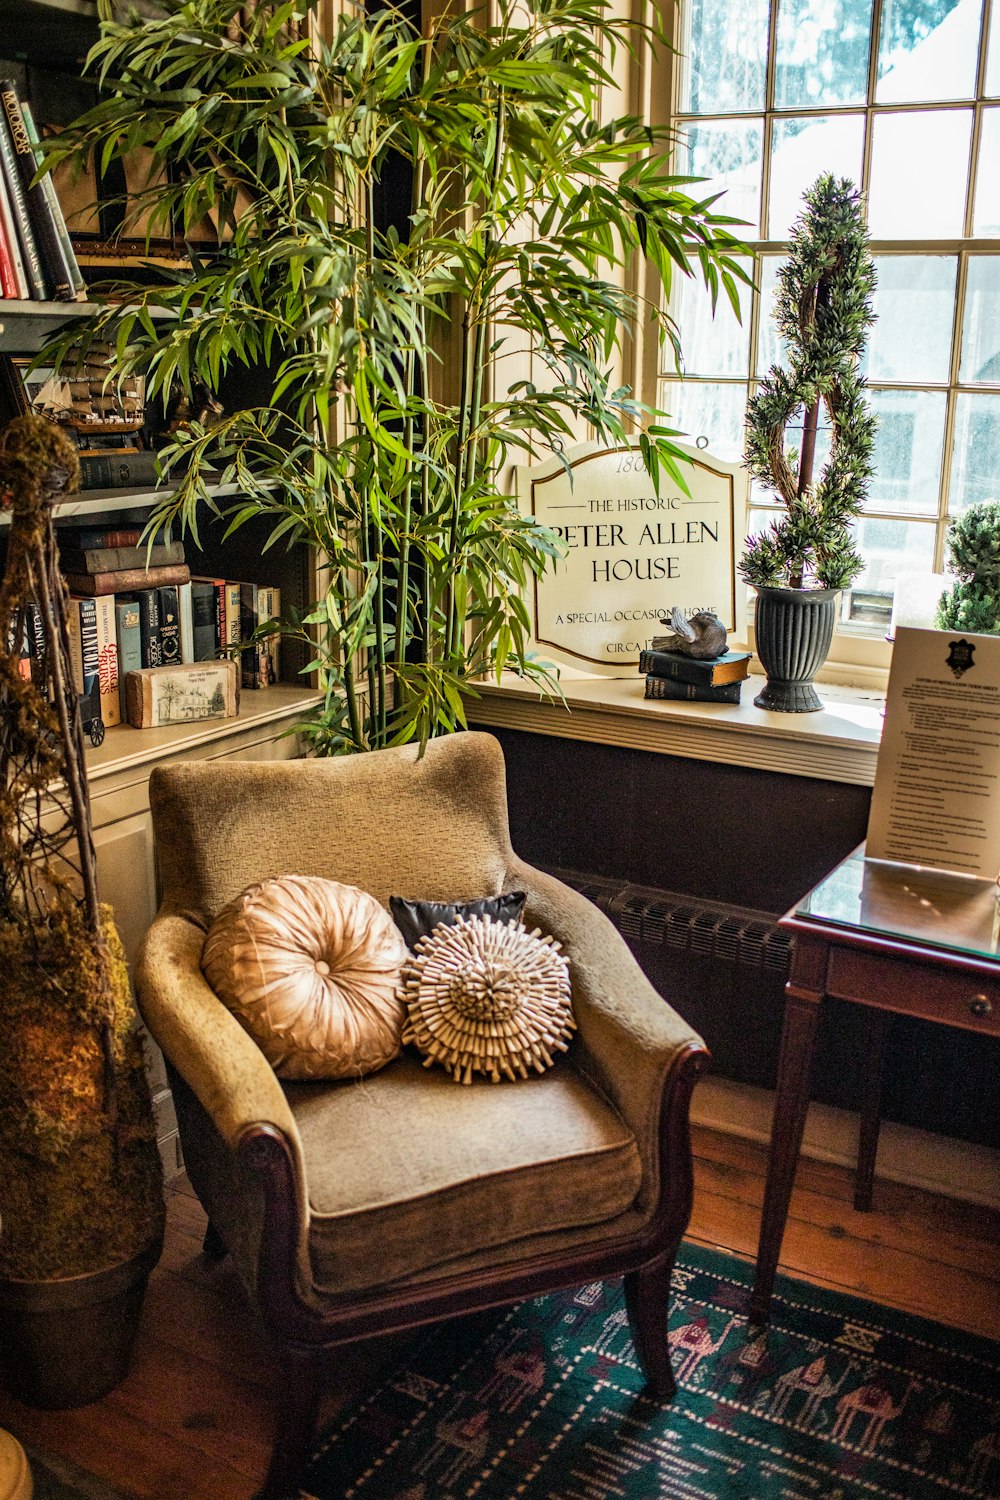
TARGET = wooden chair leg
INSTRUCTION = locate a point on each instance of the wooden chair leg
(296, 1426)
(647, 1301)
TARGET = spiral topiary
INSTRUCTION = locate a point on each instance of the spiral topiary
(823, 312)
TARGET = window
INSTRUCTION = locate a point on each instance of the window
(902, 96)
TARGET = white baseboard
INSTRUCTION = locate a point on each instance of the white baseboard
(955, 1169)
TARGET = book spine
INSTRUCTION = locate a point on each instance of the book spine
(19, 211)
(692, 692)
(8, 231)
(75, 644)
(120, 559)
(8, 276)
(127, 580)
(36, 643)
(170, 626)
(149, 625)
(55, 209)
(83, 616)
(50, 251)
(185, 607)
(234, 609)
(203, 621)
(250, 671)
(107, 659)
(86, 538)
(99, 471)
(129, 633)
(268, 608)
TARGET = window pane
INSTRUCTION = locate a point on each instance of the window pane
(915, 307)
(771, 349)
(714, 412)
(908, 449)
(889, 549)
(920, 163)
(981, 326)
(718, 345)
(993, 61)
(986, 219)
(801, 150)
(822, 53)
(728, 153)
(975, 470)
(928, 50)
(724, 55)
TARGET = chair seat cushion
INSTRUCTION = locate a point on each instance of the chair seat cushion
(406, 1172)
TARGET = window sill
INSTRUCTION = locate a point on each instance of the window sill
(840, 743)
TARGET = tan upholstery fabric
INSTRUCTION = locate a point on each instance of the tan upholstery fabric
(386, 822)
(310, 968)
(428, 1172)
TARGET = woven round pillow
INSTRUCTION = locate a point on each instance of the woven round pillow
(487, 997)
(310, 968)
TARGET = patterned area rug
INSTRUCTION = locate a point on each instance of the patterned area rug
(839, 1400)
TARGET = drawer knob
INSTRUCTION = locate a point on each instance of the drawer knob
(980, 1005)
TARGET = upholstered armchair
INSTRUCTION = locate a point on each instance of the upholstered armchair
(358, 1207)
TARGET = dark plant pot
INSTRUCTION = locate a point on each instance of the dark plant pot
(794, 628)
(67, 1343)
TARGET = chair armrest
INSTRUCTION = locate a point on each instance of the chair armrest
(629, 1039)
(223, 1066)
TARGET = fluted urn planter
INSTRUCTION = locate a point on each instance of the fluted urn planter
(794, 628)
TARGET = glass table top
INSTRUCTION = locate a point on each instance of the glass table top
(908, 901)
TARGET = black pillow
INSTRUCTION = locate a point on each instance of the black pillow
(415, 919)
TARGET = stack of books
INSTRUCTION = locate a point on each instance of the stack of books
(671, 674)
(133, 606)
(37, 260)
(225, 613)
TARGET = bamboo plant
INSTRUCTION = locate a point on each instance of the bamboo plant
(391, 418)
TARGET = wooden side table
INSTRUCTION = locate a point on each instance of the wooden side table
(897, 940)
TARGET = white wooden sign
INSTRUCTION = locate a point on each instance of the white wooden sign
(632, 554)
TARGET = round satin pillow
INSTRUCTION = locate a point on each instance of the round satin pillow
(310, 968)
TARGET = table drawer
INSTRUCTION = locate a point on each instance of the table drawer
(914, 989)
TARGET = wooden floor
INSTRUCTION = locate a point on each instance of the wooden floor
(193, 1421)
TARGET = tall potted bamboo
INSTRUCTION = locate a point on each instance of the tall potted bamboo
(81, 1202)
(799, 565)
(391, 420)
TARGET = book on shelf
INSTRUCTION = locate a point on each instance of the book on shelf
(24, 234)
(250, 654)
(120, 559)
(13, 282)
(57, 275)
(231, 613)
(732, 666)
(128, 580)
(692, 692)
(185, 607)
(86, 538)
(149, 627)
(35, 633)
(55, 208)
(129, 636)
(119, 469)
(168, 607)
(107, 659)
(268, 649)
(205, 607)
(82, 627)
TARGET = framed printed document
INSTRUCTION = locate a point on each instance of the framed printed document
(937, 784)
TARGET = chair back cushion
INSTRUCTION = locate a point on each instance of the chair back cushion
(387, 821)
